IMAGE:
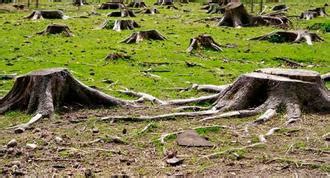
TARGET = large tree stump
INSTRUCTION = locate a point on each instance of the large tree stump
(46, 14)
(122, 13)
(313, 13)
(271, 88)
(290, 36)
(56, 29)
(144, 35)
(203, 41)
(112, 5)
(45, 91)
(236, 16)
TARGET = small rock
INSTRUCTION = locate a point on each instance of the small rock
(174, 161)
(89, 173)
(19, 130)
(31, 146)
(95, 130)
(17, 163)
(58, 139)
(192, 139)
(12, 143)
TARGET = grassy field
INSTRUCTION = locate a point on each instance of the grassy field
(299, 149)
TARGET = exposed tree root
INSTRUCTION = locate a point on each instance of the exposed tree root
(290, 36)
(45, 91)
(46, 14)
(56, 29)
(144, 35)
(204, 41)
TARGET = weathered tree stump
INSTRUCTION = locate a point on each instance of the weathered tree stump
(271, 88)
(122, 13)
(79, 2)
(281, 7)
(19, 6)
(46, 14)
(144, 35)
(111, 5)
(56, 29)
(119, 25)
(204, 41)
(137, 4)
(165, 2)
(236, 16)
(215, 8)
(151, 11)
(313, 13)
(290, 36)
(45, 91)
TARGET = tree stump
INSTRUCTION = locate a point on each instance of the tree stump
(236, 16)
(123, 13)
(144, 35)
(151, 11)
(313, 13)
(137, 4)
(119, 25)
(56, 29)
(204, 41)
(281, 7)
(46, 14)
(274, 88)
(111, 5)
(45, 91)
(165, 2)
(290, 36)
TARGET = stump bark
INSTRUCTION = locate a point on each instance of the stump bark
(112, 5)
(290, 36)
(122, 13)
(45, 91)
(119, 25)
(203, 41)
(56, 29)
(46, 14)
(144, 35)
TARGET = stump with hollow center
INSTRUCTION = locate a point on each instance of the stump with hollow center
(56, 29)
(144, 35)
(290, 36)
(46, 14)
(203, 41)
